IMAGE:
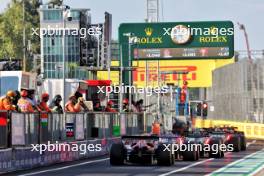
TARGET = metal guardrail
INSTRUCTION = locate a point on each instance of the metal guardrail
(25, 129)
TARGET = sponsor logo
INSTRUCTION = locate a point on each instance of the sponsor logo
(140, 75)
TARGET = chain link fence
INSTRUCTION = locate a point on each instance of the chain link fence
(237, 92)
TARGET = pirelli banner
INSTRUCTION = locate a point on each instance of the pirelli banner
(199, 72)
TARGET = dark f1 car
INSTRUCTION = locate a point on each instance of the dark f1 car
(227, 136)
(140, 149)
(235, 137)
(163, 150)
(209, 144)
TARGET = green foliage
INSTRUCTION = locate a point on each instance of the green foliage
(12, 26)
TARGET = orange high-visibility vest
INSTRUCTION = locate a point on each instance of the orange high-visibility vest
(44, 107)
(6, 105)
(156, 128)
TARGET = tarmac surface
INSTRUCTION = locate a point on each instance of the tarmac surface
(246, 163)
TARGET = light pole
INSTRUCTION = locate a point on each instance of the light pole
(24, 39)
(131, 40)
(65, 14)
(242, 27)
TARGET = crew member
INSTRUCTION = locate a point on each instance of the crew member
(55, 104)
(156, 128)
(74, 104)
(43, 107)
(6, 102)
(125, 105)
(23, 103)
(109, 106)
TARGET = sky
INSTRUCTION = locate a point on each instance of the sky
(248, 12)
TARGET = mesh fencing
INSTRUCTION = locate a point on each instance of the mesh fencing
(237, 92)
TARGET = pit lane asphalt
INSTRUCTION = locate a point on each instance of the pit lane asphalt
(102, 167)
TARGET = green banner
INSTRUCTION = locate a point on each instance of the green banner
(178, 40)
(175, 41)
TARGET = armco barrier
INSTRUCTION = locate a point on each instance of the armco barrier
(5, 160)
(252, 130)
(71, 128)
(21, 158)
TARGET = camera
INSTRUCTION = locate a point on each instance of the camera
(67, 12)
(69, 15)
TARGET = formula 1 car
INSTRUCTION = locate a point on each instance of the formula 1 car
(199, 138)
(227, 136)
(235, 137)
(163, 150)
(208, 145)
(141, 149)
(187, 153)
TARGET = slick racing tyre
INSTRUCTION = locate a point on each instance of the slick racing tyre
(235, 140)
(164, 157)
(191, 155)
(117, 154)
(243, 142)
(215, 151)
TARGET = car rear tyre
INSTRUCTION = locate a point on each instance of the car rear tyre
(117, 154)
(243, 143)
(215, 153)
(164, 157)
(236, 143)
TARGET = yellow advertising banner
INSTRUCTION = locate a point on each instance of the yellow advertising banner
(199, 72)
(114, 75)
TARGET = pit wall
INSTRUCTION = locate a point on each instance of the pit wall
(22, 158)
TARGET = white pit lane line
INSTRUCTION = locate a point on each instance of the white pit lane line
(235, 162)
(187, 167)
(100, 160)
(194, 164)
(65, 167)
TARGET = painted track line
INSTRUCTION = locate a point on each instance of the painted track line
(256, 171)
(233, 163)
(187, 167)
(65, 167)
(100, 160)
(184, 168)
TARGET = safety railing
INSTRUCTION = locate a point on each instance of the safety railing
(24, 129)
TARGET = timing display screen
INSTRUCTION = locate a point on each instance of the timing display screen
(167, 53)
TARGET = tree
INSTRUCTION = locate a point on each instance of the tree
(11, 28)
(12, 25)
